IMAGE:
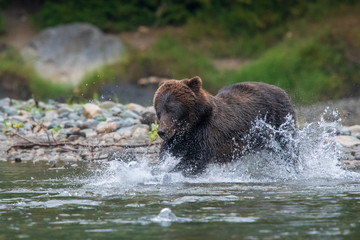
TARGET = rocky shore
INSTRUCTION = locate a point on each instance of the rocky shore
(59, 132)
(55, 132)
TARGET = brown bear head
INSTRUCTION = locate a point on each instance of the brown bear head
(179, 105)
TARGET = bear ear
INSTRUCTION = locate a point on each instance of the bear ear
(194, 84)
(162, 82)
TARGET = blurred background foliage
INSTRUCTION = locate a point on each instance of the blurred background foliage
(311, 48)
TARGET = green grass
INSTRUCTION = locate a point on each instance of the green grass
(11, 62)
(310, 70)
(286, 44)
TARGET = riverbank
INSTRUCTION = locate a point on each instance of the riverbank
(55, 131)
(101, 131)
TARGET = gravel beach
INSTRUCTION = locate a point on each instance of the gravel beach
(101, 131)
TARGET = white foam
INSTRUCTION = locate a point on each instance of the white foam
(318, 159)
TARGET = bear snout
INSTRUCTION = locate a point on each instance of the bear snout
(161, 133)
(166, 133)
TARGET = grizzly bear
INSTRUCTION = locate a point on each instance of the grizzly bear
(199, 128)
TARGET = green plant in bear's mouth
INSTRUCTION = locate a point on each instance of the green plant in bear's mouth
(153, 134)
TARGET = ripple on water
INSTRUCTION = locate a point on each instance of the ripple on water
(56, 203)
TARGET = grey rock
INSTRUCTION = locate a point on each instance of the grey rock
(140, 131)
(100, 118)
(148, 118)
(347, 141)
(136, 108)
(69, 124)
(116, 111)
(88, 133)
(64, 115)
(28, 126)
(5, 102)
(11, 111)
(90, 123)
(37, 116)
(74, 116)
(345, 132)
(125, 132)
(130, 114)
(91, 110)
(107, 127)
(107, 104)
(2, 137)
(65, 53)
(129, 122)
(355, 129)
(65, 109)
(53, 124)
(51, 115)
(74, 131)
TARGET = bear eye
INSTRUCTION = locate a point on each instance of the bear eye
(158, 115)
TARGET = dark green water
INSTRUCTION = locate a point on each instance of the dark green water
(111, 201)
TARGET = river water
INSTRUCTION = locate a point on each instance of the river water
(256, 197)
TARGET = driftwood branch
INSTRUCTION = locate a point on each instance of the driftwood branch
(65, 145)
(92, 150)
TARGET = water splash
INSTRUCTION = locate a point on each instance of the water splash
(318, 158)
(166, 217)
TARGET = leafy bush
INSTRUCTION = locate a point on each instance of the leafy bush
(244, 17)
(115, 16)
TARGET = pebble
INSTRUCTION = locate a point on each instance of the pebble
(345, 131)
(107, 127)
(2, 137)
(125, 132)
(140, 131)
(49, 115)
(91, 110)
(89, 133)
(65, 110)
(130, 114)
(107, 105)
(10, 111)
(129, 122)
(100, 118)
(69, 124)
(347, 141)
(116, 111)
(135, 107)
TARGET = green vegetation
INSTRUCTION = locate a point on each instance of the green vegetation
(153, 134)
(2, 24)
(113, 16)
(12, 125)
(12, 63)
(310, 70)
(310, 48)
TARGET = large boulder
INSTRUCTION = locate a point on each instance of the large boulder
(66, 53)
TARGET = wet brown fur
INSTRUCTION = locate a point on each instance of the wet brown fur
(200, 128)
